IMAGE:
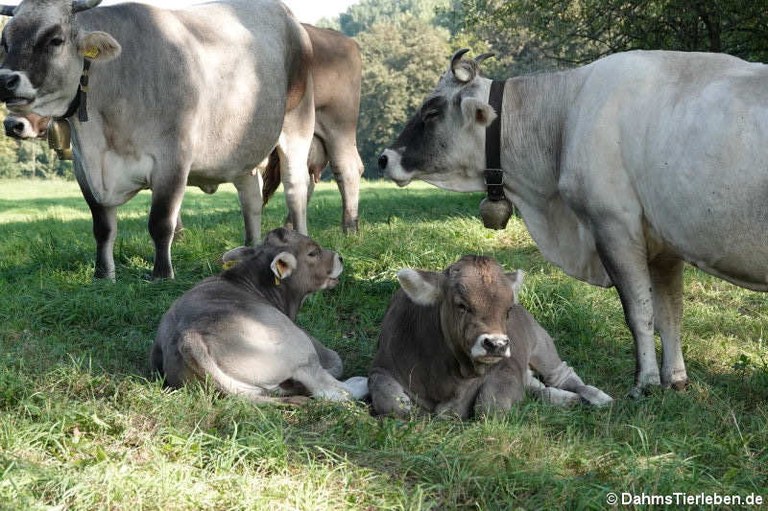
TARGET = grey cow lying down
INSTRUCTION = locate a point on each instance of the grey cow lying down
(458, 343)
(238, 328)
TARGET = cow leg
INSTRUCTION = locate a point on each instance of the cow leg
(623, 253)
(249, 192)
(501, 390)
(545, 360)
(293, 149)
(164, 210)
(667, 286)
(388, 396)
(104, 229)
(347, 169)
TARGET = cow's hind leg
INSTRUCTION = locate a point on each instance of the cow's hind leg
(249, 192)
(388, 396)
(347, 169)
(167, 194)
(667, 285)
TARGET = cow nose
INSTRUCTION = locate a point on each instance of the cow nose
(10, 82)
(383, 160)
(496, 345)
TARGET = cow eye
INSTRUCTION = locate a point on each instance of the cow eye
(463, 307)
(56, 41)
(430, 115)
(314, 253)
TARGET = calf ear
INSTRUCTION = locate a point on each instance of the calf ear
(515, 279)
(237, 254)
(98, 46)
(423, 287)
(283, 265)
(477, 112)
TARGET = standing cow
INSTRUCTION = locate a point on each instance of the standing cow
(195, 96)
(336, 73)
(457, 342)
(622, 170)
(238, 328)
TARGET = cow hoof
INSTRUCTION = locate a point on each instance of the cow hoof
(294, 400)
(679, 385)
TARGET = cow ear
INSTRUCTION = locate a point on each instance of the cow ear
(423, 287)
(515, 279)
(232, 257)
(283, 265)
(98, 46)
(477, 112)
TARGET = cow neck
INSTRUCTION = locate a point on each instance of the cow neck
(79, 103)
(494, 175)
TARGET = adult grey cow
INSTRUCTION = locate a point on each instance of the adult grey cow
(458, 343)
(238, 328)
(622, 170)
(336, 73)
(198, 96)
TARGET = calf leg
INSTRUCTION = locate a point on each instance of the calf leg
(329, 359)
(545, 360)
(321, 384)
(667, 290)
(388, 396)
(501, 390)
(249, 192)
(552, 395)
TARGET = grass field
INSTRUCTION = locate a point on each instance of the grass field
(84, 426)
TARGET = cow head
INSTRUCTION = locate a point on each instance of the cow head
(42, 53)
(26, 126)
(296, 262)
(444, 143)
(474, 296)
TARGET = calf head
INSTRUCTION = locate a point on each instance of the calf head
(26, 126)
(289, 260)
(43, 51)
(444, 143)
(474, 297)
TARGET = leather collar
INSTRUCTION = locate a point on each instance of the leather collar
(494, 175)
(79, 103)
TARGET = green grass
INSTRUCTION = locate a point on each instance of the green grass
(84, 426)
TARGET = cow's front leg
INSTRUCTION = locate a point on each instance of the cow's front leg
(388, 396)
(104, 228)
(502, 388)
(622, 250)
(167, 195)
(667, 285)
(249, 192)
(551, 395)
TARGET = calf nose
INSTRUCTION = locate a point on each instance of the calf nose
(13, 127)
(383, 160)
(496, 345)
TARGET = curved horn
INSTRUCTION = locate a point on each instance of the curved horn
(457, 57)
(480, 58)
(7, 10)
(83, 5)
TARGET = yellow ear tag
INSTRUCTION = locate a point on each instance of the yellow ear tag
(277, 280)
(91, 53)
(228, 264)
(279, 274)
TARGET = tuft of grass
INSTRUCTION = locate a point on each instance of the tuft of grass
(83, 424)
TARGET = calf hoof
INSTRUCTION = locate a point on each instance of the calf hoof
(594, 396)
(294, 400)
(357, 386)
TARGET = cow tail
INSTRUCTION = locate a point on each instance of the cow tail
(271, 176)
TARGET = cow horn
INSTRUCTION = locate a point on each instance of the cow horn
(7, 10)
(84, 5)
(480, 58)
(463, 71)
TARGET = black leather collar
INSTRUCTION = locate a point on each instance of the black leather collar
(494, 175)
(79, 103)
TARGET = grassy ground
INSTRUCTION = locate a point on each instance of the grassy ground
(84, 426)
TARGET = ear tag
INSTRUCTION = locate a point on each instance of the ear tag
(277, 281)
(91, 53)
(278, 276)
(229, 264)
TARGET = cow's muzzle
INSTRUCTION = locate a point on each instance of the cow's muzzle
(491, 348)
(13, 91)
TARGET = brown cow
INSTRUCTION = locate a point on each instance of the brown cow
(238, 328)
(458, 343)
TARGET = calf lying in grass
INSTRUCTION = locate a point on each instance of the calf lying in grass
(238, 328)
(458, 343)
